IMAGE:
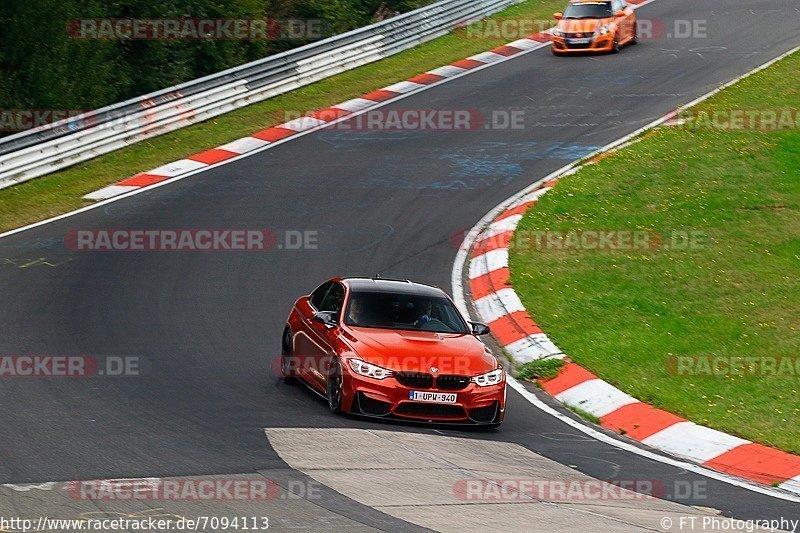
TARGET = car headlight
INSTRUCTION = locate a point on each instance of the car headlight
(557, 32)
(602, 30)
(488, 379)
(369, 370)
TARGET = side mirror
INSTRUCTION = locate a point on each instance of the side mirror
(479, 328)
(558, 16)
(620, 14)
(327, 318)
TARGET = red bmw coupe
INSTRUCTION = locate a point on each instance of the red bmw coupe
(393, 349)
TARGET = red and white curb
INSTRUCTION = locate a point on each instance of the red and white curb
(494, 300)
(497, 304)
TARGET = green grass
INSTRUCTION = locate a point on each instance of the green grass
(584, 414)
(62, 191)
(541, 369)
(623, 314)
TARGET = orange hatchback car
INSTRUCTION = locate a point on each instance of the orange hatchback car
(594, 27)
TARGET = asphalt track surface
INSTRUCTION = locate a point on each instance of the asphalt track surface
(381, 202)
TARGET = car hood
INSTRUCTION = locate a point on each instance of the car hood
(581, 25)
(418, 351)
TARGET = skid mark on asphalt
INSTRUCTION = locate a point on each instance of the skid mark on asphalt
(352, 139)
(607, 77)
(33, 262)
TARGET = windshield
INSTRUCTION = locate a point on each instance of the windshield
(588, 10)
(403, 311)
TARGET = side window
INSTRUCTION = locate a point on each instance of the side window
(319, 294)
(333, 299)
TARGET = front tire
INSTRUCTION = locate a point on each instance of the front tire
(635, 36)
(286, 357)
(335, 386)
(615, 48)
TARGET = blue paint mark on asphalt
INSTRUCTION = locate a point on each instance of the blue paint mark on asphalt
(484, 165)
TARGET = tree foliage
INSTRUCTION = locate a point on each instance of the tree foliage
(43, 67)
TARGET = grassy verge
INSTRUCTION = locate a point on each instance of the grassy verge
(626, 315)
(62, 191)
(583, 414)
(541, 369)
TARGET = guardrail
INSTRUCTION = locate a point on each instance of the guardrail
(37, 152)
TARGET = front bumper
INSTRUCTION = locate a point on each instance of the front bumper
(387, 398)
(599, 44)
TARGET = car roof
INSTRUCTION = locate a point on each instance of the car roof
(393, 286)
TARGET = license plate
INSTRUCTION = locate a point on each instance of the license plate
(432, 397)
(578, 41)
